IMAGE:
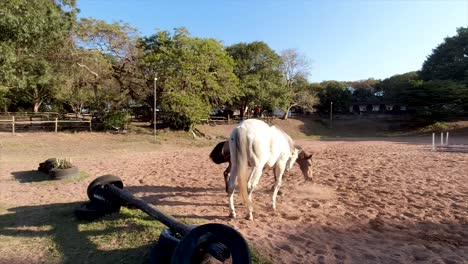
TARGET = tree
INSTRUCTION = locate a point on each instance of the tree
(195, 75)
(332, 91)
(295, 70)
(258, 70)
(398, 88)
(364, 90)
(30, 32)
(110, 53)
(449, 60)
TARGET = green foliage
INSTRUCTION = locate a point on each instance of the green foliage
(30, 33)
(260, 77)
(396, 88)
(115, 120)
(4, 100)
(437, 127)
(332, 91)
(449, 60)
(63, 163)
(194, 75)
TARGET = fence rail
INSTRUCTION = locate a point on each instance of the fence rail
(15, 122)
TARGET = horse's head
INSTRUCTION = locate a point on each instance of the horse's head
(305, 164)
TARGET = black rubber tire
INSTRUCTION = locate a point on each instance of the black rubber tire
(93, 210)
(47, 165)
(99, 183)
(60, 174)
(163, 250)
(193, 247)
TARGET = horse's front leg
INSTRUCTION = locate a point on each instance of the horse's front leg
(226, 176)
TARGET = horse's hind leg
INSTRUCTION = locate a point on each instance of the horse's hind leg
(253, 182)
(279, 171)
(230, 189)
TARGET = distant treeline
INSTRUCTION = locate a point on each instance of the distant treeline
(52, 61)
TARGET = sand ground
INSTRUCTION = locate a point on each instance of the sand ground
(371, 200)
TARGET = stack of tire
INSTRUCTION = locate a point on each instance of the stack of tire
(50, 168)
(101, 202)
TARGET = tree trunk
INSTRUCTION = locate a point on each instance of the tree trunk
(285, 116)
(37, 104)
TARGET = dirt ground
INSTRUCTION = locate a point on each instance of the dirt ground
(371, 200)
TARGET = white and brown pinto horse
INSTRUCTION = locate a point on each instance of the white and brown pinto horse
(253, 143)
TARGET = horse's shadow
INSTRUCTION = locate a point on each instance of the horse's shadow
(73, 245)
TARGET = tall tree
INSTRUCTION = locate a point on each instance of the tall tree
(30, 32)
(295, 69)
(259, 73)
(449, 60)
(118, 76)
(332, 91)
(194, 75)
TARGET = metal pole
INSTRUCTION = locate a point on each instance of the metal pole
(446, 139)
(56, 124)
(13, 124)
(433, 142)
(154, 114)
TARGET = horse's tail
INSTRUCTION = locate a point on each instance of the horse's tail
(239, 162)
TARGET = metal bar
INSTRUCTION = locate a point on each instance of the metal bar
(167, 220)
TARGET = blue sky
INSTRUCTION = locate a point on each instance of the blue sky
(345, 40)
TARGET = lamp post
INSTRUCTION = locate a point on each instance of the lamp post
(154, 114)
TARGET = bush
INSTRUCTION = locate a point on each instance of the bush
(115, 120)
(437, 127)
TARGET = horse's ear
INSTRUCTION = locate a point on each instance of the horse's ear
(309, 156)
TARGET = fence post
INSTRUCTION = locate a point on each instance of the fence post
(433, 142)
(56, 124)
(90, 129)
(442, 138)
(446, 139)
(13, 124)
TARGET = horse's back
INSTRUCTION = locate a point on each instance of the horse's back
(265, 143)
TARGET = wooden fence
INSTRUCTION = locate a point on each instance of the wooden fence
(14, 123)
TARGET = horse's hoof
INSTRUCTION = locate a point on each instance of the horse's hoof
(249, 217)
(232, 215)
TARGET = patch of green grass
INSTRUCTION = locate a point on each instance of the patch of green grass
(437, 127)
(258, 258)
(51, 234)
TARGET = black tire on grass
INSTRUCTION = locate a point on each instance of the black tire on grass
(60, 174)
(93, 210)
(163, 250)
(99, 183)
(194, 246)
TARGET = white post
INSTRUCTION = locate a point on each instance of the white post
(13, 124)
(446, 139)
(56, 124)
(433, 142)
(442, 138)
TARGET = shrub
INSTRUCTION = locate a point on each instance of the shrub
(115, 120)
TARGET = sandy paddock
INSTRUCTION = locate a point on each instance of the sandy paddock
(371, 201)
